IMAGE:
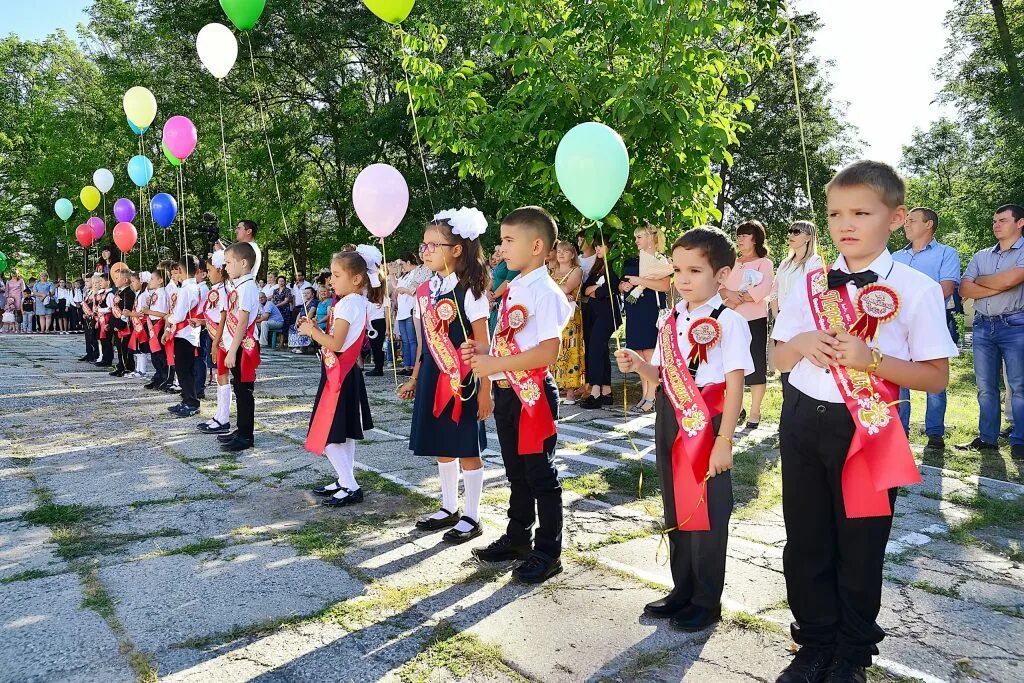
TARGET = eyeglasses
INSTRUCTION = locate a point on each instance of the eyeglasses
(795, 231)
(431, 247)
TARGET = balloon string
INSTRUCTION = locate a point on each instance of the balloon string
(465, 333)
(177, 183)
(419, 143)
(224, 150)
(184, 231)
(618, 347)
(799, 110)
(387, 312)
(270, 153)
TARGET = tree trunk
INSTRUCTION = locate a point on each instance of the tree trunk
(1010, 58)
(723, 173)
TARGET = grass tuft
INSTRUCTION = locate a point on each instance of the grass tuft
(54, 514)
(464, 655)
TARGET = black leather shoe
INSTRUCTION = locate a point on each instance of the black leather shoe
(696, 618)
(151, 386)
(426, 523)
(606, 399)
(327, 491)
(1017, 453)
(936, 443)
(977, 445)
(809, 665)
(502, 550)
(237, 445)
(537, 568)
(101, 364)
(375, 373)
(185, 411)
(589, 403)
(455, 537)
(116, 373)
(742, 418)
(85, 359)
(175, 408)
(666, 607)
(353, 498)
(230, 436)
(167, 389)
(214, 427)
(844, 671)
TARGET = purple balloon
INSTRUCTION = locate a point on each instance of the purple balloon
(98, 228)
(124, 210)
(180, 136)
(381, 198)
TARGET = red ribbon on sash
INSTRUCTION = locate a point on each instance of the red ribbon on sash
(104, 322)
(118, 313)
(169, 346)
(453, 370)
(248, 351)
(691, 450)
(535, 421)
(336, 368)
(879, 456)
(156, 328)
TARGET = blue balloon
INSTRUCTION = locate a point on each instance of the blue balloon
(140, 170)
(164, 209)
(136, 129)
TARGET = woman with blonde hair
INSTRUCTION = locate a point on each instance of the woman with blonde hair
(644, 298)
(802, 259)
(569, 368)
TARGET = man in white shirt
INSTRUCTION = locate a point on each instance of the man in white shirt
(245, 231)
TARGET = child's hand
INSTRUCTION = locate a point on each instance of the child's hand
(407, 390)
(589, 291)
(818, 347)
(628, 360)
(851, 351)
(721, 457)
(472, 348)
(306, 327)
(483, 365)
(230, 358)
(485, 406)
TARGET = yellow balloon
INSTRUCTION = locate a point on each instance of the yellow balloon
(90, 197)
(140, 106)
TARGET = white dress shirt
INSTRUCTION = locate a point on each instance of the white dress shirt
(351, 308)
(547, 310)
(473, 307)
(732, 352)
(917, 333)
(186, 300)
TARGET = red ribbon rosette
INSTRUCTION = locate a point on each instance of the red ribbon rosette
(515, 317)
(445, 310)
(212, 298)
(703, 335)
(876, 304)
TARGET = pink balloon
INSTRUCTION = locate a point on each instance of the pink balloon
(180, 136)
(381, 198)
(98, 228)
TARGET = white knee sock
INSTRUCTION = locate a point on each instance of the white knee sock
(473, 485)
(448, 473)
(335, 452)
(223, 404)
(348, 476)
(140, 362)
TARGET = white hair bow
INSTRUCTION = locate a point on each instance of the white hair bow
(466, 222)
(217, 258)
(145, 276)
(373, 258)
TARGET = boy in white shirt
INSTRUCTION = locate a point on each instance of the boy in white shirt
(242, 355)
(185, 336)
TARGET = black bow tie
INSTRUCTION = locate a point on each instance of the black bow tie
(837, 278)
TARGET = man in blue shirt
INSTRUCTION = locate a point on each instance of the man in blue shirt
(941, 263)
(269, 320)
(995, 280)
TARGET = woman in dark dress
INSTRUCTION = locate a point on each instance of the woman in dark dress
(643, 300)
(603, 317)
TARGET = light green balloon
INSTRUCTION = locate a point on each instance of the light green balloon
(592, 167)
(175, 161)
(3, 262)
(391, 11)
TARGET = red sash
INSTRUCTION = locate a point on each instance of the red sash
(336, 368)
(452, 369)
(248, 350)
(86, 308)
(535, 421)
(156, 328)
(879, 457)
(691, 451)
(139, 334)
(104, 322)
(118, 313)
(169, 346)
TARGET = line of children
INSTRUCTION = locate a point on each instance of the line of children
(450, 406)
(341, 410)
(242, 352)
(532, 315)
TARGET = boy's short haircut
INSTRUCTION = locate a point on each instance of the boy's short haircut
(188, 263)
(714, 244)
(243, 251)
(875, 175)
(928, 215)
(537, 220)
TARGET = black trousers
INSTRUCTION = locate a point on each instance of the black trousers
(696, 558)
(107, 348)
(595, 343)
(833, 565)
(92, 345)
(159, 359)
(184, 364)
(536, 494)
(125, 356)
(245, 402)
(377, 343)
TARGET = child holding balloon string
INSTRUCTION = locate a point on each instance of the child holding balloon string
(450, 408)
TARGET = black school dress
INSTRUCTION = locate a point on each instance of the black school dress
(641, 317)
(352, 415)
(441, 437)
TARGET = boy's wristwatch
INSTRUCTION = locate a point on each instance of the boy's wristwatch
(876, 360)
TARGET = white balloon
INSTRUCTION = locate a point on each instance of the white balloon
(217, 48)
(103, 180)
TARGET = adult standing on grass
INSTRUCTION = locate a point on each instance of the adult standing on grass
(995, 280)
(942, 264)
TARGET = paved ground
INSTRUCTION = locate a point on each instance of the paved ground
(132, 549)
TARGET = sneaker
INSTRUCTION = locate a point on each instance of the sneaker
(503, 549)
(977, 445)
(809, 665)
(936, 443)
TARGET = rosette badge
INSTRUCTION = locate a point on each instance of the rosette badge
(876, 304)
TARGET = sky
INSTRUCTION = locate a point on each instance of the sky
(884, 53)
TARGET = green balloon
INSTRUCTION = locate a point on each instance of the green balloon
(3, 262)
(243, 13)
(175, 161)
(391, 11)
(592, 167)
